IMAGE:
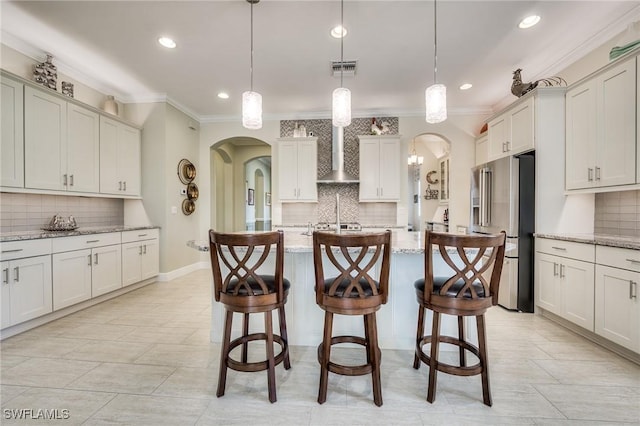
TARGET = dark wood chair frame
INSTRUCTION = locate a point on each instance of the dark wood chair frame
(466, 303)
(235, 251)
(335, 298)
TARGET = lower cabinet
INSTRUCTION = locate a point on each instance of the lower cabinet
(140, 255)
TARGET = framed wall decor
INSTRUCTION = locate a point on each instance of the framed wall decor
(250, 198)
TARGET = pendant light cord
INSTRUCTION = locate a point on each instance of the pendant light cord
(251, 67)
(341, 41)
(435, 44)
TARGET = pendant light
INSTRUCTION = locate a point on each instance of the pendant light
(436, 95)
(341, 105)
(252, 101)
(414, 159)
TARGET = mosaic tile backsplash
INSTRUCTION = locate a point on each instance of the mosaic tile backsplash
(618, 213)
(351, 210)
(30, 212)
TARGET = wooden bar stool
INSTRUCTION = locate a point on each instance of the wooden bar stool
(465, 292)
(243, 288)
(360, 288)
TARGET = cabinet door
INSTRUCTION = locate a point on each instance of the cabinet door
(5, 296)
(45, 140)
(109, 156)
(71, 278)
(129, 159)
(307, 164)
(389, 169)
(83, 150)
(499, 131)
(369, 170)
(577, 292)
(30, 281)
(522, 131)
(547, 288)
(482, 150)
(12, 136)
(131, 263)
(106, 271)
(581, 131)
(150, 261)
(616, 148)
(288, 170)
(617, 310)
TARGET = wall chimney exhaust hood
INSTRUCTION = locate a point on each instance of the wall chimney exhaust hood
(337, 173)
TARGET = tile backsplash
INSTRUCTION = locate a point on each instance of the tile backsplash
(618, 213)
(30, 212)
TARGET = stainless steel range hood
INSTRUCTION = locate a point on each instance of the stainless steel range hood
(337, 174)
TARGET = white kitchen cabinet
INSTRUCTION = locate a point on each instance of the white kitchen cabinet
(617, 309)
(297, 169)
(26, 281)
(512, 132)
(12, 137)
(85, 266)
(119, 158)
(379, 168)
(140, 255)
(61, 144)
(482, 149)
(565, 280)
(601, 129)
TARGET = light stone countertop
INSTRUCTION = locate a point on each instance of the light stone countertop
(620, 241)
(40, 234)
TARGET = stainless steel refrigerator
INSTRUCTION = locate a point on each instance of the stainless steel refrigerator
(503, 198)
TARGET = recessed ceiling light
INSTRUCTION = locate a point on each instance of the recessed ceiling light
(529, 21)
(338, 32)
(223, 95)
(466, 86)
(167, 42)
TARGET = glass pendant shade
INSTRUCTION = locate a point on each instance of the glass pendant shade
(436, 103)
(341, 116)
(252, 110)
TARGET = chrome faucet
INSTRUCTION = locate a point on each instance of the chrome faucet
(337, 213)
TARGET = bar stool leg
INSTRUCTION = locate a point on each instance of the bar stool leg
(285, 337)
(484, 360)
(435, 343)
(367, 338)
(419, 334)
(374, 356)
(463, 355)
(325, 357)
(271, 371)
(224, 356)
(245, 332)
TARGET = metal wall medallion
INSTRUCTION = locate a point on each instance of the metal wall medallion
(186, 171)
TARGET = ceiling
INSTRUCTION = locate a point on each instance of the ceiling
(112, 46)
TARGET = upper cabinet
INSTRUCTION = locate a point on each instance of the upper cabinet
(12, 137)
(119, 158)
(379, 168)
(297, 169)
(482, 149)
(601, 129)
(512, 132)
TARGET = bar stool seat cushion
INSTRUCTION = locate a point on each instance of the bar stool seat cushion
(453, 291)
(366, 288)
(269, 280)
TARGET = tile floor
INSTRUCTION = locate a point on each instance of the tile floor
(145, 358)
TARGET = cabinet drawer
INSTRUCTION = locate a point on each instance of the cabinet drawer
(18, 249)
(580, 251)
(140, 235)
(618, 257)
(85, 241)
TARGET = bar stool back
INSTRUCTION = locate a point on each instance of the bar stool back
(235, 261)
(470, 289)
(360, 288)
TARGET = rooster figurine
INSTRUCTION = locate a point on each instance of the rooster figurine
(518, 88)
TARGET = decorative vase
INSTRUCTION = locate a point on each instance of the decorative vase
(67, 89)
(46, 73)
(110, 105)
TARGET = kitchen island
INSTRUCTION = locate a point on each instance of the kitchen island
(396, 320)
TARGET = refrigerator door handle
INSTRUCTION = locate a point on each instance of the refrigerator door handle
(482, 197)
(486, 189)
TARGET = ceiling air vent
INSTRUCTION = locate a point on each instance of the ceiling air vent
(347, 67)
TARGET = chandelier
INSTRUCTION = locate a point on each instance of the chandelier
(252, 101)
(436, 95)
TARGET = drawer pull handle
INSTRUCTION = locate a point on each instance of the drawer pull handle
(93, 241)
(142, 235)
(628, 260)
(559, 248)
(11, 251)
(633, 293)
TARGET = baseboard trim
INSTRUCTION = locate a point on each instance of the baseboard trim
(180, 272)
